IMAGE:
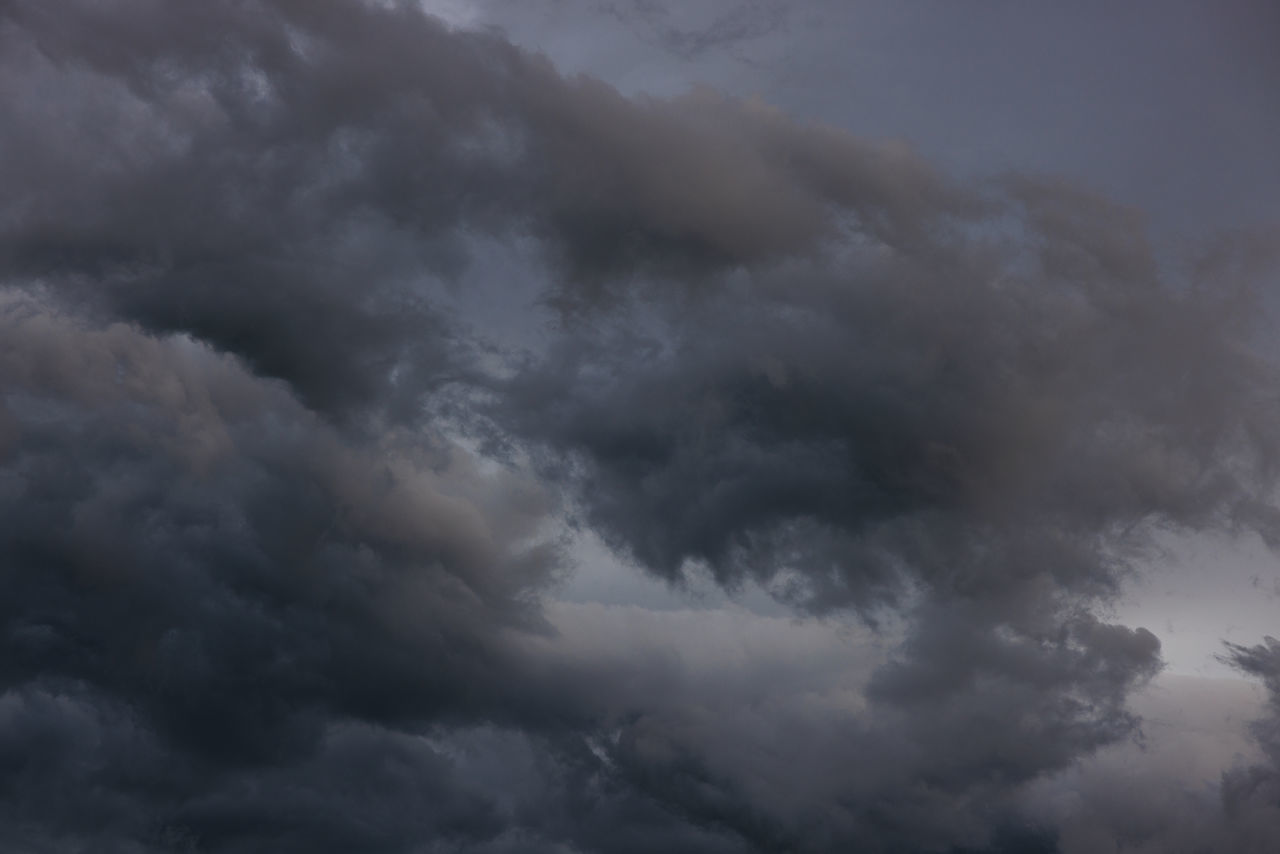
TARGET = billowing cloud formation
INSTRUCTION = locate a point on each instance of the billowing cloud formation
(261, 591)
(1132, 804)
(275, 177)
(980, 426)
(201, 578)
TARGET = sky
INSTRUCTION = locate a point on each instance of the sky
(627, 426)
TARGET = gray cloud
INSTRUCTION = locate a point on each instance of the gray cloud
(260, 593)
(211, 595)
(276, 177)
(981, 423)
(1251, 794)
(1131, 803)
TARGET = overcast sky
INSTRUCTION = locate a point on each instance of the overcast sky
(629, 426)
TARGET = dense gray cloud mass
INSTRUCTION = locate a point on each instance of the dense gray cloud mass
(1147, 811)
(200, 578)
(281, 527)
(1251, 795)
(276, 177)
(984, 431)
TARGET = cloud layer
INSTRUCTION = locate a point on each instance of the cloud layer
(282, 526)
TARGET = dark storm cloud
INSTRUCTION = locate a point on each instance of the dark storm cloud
(981, 426)
(233, 623)
(1148, 811)
(229, 628)
(221, 616)
(1251, 795)
(1008, 397)
(765, 734)
(278, 177)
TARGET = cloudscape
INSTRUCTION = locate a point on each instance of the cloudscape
(579, 426)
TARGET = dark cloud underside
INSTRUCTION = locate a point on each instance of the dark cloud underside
(259, 590)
